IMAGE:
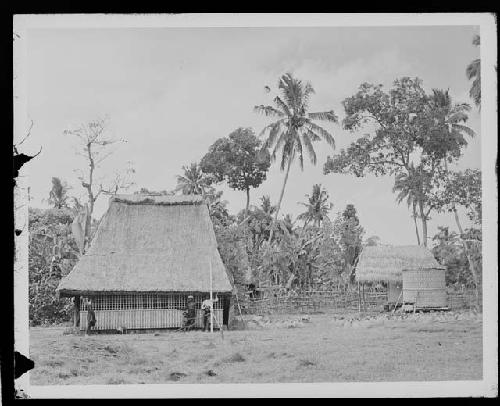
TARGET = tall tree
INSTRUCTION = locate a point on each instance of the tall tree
(95, 147)
(412, 136)
(295, 129)
(239, 160)
(455, 188)
(317, 207)
(58, 196)
(473, 73)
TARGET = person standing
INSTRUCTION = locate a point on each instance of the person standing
(91, 320)
(190, 312)
(207, 307)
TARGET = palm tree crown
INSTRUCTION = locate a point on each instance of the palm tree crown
(266, 206)
(317, 207)
(453, 116)
(295, 128)
(410, 187)
(193, 181)
(473, 73)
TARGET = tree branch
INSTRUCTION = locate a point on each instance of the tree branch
(26, 136)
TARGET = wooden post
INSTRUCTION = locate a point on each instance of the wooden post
(364, 301)
(211, 299)
(359, 299)
(397, 301)
(231, 310)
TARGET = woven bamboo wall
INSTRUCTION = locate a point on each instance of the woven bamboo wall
(142, 319)
(425, 287)
(144, 311)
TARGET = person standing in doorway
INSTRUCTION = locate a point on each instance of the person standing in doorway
(190, 312)
(91, 320)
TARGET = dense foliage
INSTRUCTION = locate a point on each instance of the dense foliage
(449, 251)
(297, 258)
(52, 255)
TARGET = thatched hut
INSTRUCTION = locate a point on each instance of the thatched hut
(149, 253)
(387, 263)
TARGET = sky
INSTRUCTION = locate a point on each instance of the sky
(171, 92)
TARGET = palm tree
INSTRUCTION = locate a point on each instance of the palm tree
(448, 140)
(266, 206)
(295, 128)
(408, 187)
(288, 223)
(58, 194)
(452, 115)
(317, 207)
(473, 73)
(193, 181)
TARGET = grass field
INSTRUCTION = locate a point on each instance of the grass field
(324, 348)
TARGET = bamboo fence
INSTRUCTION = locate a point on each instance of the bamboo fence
(340, 300)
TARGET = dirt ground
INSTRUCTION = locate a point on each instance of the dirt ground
(315, 348)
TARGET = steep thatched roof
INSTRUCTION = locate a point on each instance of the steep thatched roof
(150, 244)
(386, 263)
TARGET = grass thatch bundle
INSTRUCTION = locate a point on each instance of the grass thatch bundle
(150, 244)
(386, 262)
(157, 200)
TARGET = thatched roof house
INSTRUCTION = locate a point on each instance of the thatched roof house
(386, 262)
(150, 246)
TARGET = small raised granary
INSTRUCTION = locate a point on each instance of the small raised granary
(412, 273)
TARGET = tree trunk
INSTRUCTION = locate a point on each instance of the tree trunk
(359, 299)
(280, 199)
(416, 225)
(364, 300)
(424, 225)
(472, 267)
(248, 201)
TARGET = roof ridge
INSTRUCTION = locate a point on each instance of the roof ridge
(163, 200)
